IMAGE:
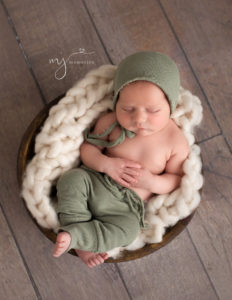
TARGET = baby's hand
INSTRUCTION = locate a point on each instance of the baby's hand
(123, 171)
(144, 180)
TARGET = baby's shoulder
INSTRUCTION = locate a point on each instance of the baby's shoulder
(178, 139)
(104, 122)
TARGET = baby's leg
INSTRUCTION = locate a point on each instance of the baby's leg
(72, 206)
(72, 194)
(102, 235)
(98, 236)
(112, 225)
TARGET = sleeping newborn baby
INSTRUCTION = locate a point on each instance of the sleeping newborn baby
(133, 152)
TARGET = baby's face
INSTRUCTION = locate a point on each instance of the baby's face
(142, 108)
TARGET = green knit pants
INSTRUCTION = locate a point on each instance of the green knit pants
(98, 213)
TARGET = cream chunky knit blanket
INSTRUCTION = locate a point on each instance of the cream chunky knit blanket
(57, 150)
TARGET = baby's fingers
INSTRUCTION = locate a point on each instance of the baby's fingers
(132, 171)
(129, 179)
(123, 183)
(132, 164)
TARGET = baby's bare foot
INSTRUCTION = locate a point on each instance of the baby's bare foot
(63, 241)
(92, 259)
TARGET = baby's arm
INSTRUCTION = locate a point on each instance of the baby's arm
(121, 170)
(171, 178)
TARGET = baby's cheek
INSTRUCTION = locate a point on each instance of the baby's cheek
(156, 122)
(124, 120)
(159, 121)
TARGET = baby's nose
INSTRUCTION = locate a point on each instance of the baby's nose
(140, 117)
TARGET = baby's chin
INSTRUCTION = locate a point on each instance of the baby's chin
(143, 132)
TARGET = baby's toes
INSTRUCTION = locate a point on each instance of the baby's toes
(97, 260)
(104, 256)
(100, 259)
(91, 263)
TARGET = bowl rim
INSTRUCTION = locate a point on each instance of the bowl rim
(27, 145)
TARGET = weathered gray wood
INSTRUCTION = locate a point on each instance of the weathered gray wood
(14, 280)
(172, 273)
(57, 29)
(211, 228)
(67, 277)
(143, 26)
(204, 30)
(130, 26)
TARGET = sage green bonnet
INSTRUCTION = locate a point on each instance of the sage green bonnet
(149, 66)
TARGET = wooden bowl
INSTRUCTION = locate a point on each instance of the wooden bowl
(26, 153)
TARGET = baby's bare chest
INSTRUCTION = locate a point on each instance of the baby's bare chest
(151, 152)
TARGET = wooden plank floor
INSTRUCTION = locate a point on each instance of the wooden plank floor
(198, 36)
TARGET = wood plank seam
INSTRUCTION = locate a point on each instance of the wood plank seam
(21, 255)
(209, 138)
(207, 169)
(203, 266)
(22, 51)
(12, 27)
(26, 59)
(96, 30)
(123, 281)
(194, 74)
